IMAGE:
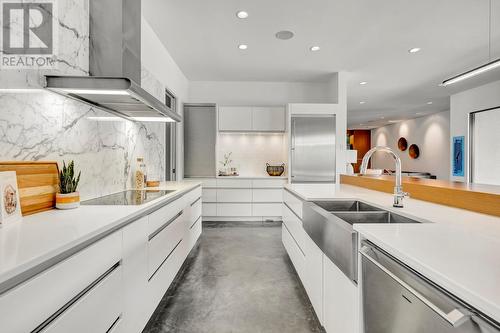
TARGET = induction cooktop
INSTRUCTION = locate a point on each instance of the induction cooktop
(128, 198)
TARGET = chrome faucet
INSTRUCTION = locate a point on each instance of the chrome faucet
(399, 195)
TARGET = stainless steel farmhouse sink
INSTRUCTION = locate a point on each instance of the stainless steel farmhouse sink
(346, 206)
(330, 226)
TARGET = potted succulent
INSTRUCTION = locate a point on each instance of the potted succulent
(68, 197)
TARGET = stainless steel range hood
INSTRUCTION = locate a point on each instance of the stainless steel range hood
(115, 66)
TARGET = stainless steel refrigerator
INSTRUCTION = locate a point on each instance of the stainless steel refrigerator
(313, 149)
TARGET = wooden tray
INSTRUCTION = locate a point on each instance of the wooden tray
(38, 184)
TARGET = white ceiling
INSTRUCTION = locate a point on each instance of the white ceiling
(369, 39)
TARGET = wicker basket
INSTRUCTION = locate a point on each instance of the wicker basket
(275, 170)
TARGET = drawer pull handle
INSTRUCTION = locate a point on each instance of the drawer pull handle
(115, 323)
(75, 299)
(194, 202)
(192, 225)
(160, 229)
(164, 260)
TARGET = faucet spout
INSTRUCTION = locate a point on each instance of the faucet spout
(398, 188)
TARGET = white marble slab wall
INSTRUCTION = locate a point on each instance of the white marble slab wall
(44, 126)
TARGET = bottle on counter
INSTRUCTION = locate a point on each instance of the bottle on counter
(140, 173)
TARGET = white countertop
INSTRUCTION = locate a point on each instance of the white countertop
(43, 236)
(460, 251)
(252, 177)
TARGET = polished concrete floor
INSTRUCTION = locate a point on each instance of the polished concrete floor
(238, 279)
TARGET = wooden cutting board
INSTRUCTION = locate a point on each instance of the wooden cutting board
(38, 184)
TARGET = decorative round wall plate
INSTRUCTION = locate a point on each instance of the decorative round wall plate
(414, 151)
(402, 144)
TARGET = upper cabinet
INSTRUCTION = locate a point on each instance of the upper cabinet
(251, 119)
(235, 118)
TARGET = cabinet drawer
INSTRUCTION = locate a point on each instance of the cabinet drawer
(267, 195)
(266, 209)
(191, 196)
(209, 195)
(95, 311)
(295, 254)
(268, 119)
(40, 297)
(207, 182)
(293, 202)
(234, 209)
(194, 233)
(209, 209)
(194, 212)
(163, 241)
(164, 214)
(235, 118)
(268, 183)
(234, 195)
(294, 226)
(234, 183)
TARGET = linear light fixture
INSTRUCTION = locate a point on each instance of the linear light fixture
(153, 119)
(96, 92)
(473, 72)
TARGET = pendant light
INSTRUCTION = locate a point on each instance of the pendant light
(478, 70)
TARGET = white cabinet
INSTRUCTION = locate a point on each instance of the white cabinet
(234, 195)
(313, 279)
(267, 195)
(235, 118)
(234, 183)
(209, 209)
(266, 209)
(268, 119)
(135, 276)
(294, 252)
(40, 297)
(234, 209)
(83, 316)
(252, 119)
(340, 300)
(209, 195)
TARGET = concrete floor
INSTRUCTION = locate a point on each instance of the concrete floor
(238, 279)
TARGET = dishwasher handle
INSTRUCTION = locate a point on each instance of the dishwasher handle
(455, 317)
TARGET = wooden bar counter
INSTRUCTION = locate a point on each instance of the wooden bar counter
(478, 198)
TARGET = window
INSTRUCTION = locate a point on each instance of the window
(485, 147)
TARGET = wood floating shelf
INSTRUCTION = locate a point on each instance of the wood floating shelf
(478, 198)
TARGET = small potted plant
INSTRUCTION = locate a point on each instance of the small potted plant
(68, 197)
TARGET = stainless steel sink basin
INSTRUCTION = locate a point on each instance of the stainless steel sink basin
(373, 217)
(346, 206)
(330, 226)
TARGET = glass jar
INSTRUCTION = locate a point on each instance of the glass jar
(140, 173)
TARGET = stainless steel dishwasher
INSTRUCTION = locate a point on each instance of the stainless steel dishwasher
(397, 299)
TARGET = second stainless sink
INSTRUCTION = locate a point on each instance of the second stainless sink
(373, 217)
(330, 226)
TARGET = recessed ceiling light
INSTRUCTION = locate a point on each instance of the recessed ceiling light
(414, 50)
(362, 102)
(429, 103)
(363, 83)
(242, 14)
(394, 121)
(243, 46)
(284, 35)
(315, 48)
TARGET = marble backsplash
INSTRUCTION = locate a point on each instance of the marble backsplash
(40, 125)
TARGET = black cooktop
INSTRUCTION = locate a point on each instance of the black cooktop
(127, 198)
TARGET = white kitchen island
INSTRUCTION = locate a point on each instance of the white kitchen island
(457, 250)
(95, 268)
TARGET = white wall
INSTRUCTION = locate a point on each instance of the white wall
(462, 104)
(158, 61)
(251, 152)
(430, 133)
(260, 93)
